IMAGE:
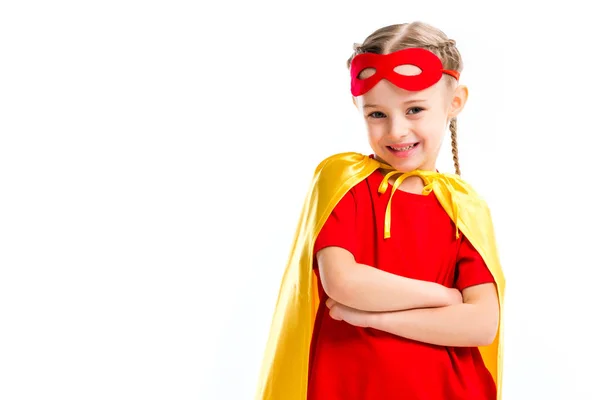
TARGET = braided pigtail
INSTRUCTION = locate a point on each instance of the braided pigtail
(454, 145)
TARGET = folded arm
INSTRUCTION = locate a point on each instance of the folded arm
(366, 288)
(473, 323)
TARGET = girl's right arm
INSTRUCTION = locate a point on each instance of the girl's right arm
(366, 288)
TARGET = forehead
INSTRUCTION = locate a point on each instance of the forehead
(386, 93)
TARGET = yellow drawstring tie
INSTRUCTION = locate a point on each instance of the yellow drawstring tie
(428, 177)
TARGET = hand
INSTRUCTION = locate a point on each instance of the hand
(352, 316)
(455, 296)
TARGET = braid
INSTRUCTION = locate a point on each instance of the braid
(357, 47)
(441, 46)
(447, 44)
(454, 145)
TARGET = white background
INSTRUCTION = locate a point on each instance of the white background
(154, 157)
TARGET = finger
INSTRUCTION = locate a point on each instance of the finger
(335, 313)
(330, 303)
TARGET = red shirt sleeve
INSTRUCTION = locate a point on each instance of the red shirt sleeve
(340, 228)
(471, 269)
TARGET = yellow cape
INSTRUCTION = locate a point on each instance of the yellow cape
(284, 372)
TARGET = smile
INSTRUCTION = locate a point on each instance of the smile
(404, 148)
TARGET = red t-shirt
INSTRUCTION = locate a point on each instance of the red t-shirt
(353, 363)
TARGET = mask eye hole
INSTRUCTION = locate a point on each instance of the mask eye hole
(408, 70)
(366, 73)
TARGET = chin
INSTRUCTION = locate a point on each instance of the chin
(406, 167)
(402, 166)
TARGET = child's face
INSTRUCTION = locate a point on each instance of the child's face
(406, 128)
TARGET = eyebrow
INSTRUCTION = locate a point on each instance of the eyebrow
(406, 102)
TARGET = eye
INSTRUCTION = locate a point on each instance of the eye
(415, 110)
(377, 115)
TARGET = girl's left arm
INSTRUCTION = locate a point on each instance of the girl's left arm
(471, 324)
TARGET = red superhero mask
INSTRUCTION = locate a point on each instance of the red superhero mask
(430, 65)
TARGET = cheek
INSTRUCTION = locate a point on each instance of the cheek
(375, 131)
(432, 129)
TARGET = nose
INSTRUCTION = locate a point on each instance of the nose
(399, 127)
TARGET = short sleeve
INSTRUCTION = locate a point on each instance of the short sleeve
(340, 228)
(471, 269)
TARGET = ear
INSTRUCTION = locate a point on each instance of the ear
(458, 100)
(354, 101)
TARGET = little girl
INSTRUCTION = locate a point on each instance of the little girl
(392, 292)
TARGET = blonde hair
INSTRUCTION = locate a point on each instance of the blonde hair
(416, 34)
